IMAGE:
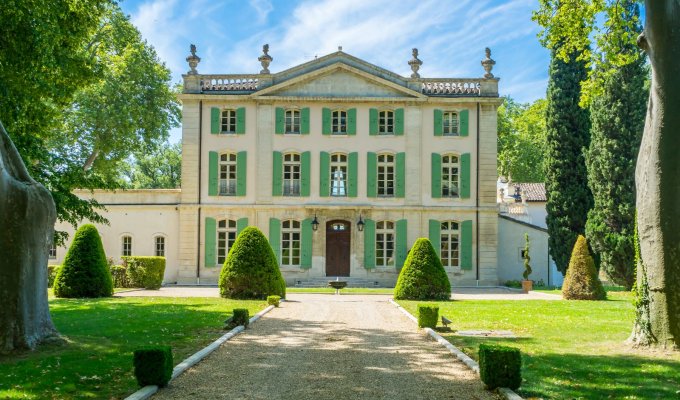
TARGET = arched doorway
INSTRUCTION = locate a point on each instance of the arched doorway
(338, 239)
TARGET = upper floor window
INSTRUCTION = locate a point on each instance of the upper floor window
(450, 123)
(384, 243)
(291, 174)
(226, 236)
(126, 246)
(450, 243)
(292, 123)
(160, 246)
(450, 175)
(339, 123)
(386, 175)
(290, 243)
(228, 121)
(228, 163)
(338, 175)
(386, 123)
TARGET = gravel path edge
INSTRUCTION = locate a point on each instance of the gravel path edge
(509, 394)
(148, 391)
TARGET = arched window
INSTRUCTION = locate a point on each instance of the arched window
(290, 243)
(450, 243)
(384, 243)
(126, 242)
(450, 175)
(226, 236)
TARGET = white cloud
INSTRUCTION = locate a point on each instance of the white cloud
(263, 8)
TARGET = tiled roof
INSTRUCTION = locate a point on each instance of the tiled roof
(533, 191)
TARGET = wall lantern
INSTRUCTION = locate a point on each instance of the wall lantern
(315, 224)
(360, 224)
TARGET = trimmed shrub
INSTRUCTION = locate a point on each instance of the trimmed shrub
(427, 316)
(423, 276)
(153, 365)
(144, 272)
(239, 316)
(52, 274)
(500, 366)
(581, 281)
(251, 270)
(273, 300)
(84, 272)
(119, 276)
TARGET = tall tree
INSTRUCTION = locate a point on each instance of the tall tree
(161, 169)
(617, 115)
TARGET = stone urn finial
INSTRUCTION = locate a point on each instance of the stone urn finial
(193, 60)
(415, 64)
(265, 59)
(488, 64)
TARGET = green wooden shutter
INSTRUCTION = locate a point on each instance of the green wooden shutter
(436, 174)
(326, 121)
(215, 115)
(466, 245)
(465, 176)
(275, 237)
(280, 120)
(464, 122)
(400, 176)
(241, 173)
(305, 174)
(352, 121)
(277, 174)
(352, 173)
(241, 224)
(369, 244)
(241, 120)
(373, 121)
(212, 173)
(435, 236)
(306, 244)
(401, 244)
(399, 121)
(372, 175)
(210, 236)
(438, 122)
(324, 174)
(304, 121)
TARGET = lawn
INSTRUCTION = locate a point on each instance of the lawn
(571, 349)
(389, 291)
(96, 361)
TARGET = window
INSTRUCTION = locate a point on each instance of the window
(450, 124)
(292, 124)
(450, 243)
(450, 175)
(160, 246)
(226, 236)
(338, 175)
(127, 246)
(290, 243)
(384, 244)
(53, 252)
(227, 174)
(291, 174)
(386, 123)
(228, 121)
(386, 175)
(339, 123)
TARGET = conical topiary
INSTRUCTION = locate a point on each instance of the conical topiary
(581, 281)
(423, 276)
(84, 272)
(251, 270)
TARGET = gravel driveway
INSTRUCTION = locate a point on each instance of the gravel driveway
(329, 347)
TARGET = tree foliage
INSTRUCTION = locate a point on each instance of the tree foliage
(159, 169)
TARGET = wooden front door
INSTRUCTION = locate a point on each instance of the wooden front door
(338, 237)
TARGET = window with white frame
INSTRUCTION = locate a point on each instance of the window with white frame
(228, 121)
(339, 123)
(53, 251)
(291, 174)
(450, 175)
(227, 174)
(159, 246)
(290, 243)
(292, 124)
(386, 123)
(450, 243)
(450, 123)
(384, 244)
(385, 175)
(226, 236)
(126, 246)
(338, 175)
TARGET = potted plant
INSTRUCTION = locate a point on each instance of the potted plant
(527, 285)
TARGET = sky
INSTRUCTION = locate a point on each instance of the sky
(450, 35)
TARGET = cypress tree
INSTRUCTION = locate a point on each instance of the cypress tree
(617, 116)
(568, 135)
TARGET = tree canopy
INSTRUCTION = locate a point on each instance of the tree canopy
(159, 169)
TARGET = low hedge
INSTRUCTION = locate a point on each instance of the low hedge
(500, 366)
(427, 316)
(273, 300)
(153, 365)
(119, 275)
(51, 274)
(144, 272)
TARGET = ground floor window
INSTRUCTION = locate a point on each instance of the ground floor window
(226, 236)
(290, 243)
(160, 246)
(126, 246)
(384, 244)
(450, 243)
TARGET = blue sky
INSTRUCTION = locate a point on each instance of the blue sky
(450, 35)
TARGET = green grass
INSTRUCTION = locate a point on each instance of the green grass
(571, 349)
(342, 291)
(96, 361)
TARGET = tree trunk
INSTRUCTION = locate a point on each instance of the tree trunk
(657, 179)
(27, 216)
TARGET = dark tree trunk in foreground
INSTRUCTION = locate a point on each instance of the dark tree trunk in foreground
(27, 217)
(657, 179)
